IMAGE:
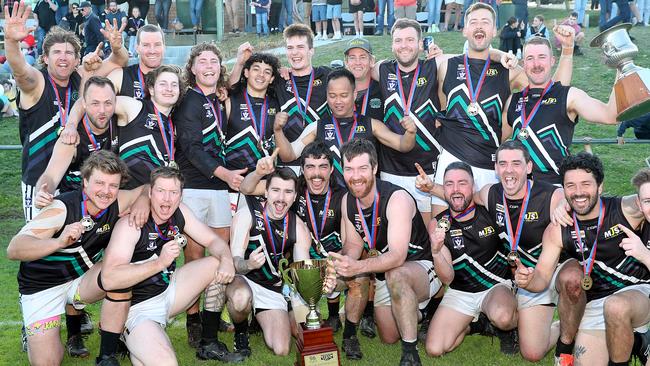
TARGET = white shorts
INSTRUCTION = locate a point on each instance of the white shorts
(211, 207)
(482, 176)
(382, 296)
(594, 317)
(527, 299)
(43, 309)
(29, 195)
(468, 303)
(264, 298)
(237, 201)
(156, 308)
(408, 183)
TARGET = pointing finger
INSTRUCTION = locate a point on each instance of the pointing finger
(420, 170)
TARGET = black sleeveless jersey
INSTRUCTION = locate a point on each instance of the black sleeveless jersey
(148, 248)
(71, 262)
(419, 247)
(141, 145)
(327, 236)
(536, 219)
(475, 247)
(133, 82)
(199, 145)
(244, 147)
(613, 270)
(39, 126)
(645, 234)
(474, 139)
(298, 116)
(370, 105)
(424, 109)
(552, 130)
(326, 131)
(106, 141)
(268, 276)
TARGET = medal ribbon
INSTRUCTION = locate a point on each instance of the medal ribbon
(372, 239)
(515, 236)
(465, 212)
(141, 80)
(215, 110)
(160, 233)
(406, 103)
(84, 208)
(366, 97)
(68, 93)
(473, 94)
(260, 128)
(312, 214)
(168, 139)
(588, 265)
(339, 136)
(525, 120)
(303, 108)
(91, 135)
(269, 232)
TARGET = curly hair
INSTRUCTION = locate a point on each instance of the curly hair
(58, 35)
(106, 162)
(188, 75)
(583, 161)
(265, 58)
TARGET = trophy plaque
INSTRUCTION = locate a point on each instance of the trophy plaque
(315, 343)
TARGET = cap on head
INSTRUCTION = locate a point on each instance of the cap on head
(85, 4)
(362, 43)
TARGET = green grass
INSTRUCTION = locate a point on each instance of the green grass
(589, 74)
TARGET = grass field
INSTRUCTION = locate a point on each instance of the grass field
(589, 74)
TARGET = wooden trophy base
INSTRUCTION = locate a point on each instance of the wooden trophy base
(633, 95)
(316, 347)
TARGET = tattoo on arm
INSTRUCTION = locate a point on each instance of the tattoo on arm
(241, 267)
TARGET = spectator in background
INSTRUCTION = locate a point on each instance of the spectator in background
(357, 7)
(495, 5)
(641, 126)
(92, 28)
(143, 5)
(196, 6)
(385, 5)
(521, 11)
(306, 4)
(28, 48)
(623, 16)
(262, 8)
(334, 14)
(572, 21)
(433, 10)
(135, 22)
(319, 16)
(537, 29)
(579, 7)
(45, 16)
(74, 19)
(231, 14)
(162, 12)
(452, 6)
(123, 5)
(98, 6)
(286, 14)
(406, 8)
(113, 13)
(644, 9)
(511, 36)
(594, 4)
(62, 10)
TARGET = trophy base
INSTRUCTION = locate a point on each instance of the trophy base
(633, 95)
(316, 347)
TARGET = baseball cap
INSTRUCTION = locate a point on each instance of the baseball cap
(85, 4)
(362, 43)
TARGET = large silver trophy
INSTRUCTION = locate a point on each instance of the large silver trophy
(306, 278)
(633, 84)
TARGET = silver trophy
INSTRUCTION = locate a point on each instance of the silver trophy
(633, 84)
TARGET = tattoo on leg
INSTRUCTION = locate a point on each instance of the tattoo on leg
(215, 297)
(580, 350)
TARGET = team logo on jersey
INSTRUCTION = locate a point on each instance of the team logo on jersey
(330, 213)
(208, 110)
(531, 216)
(74, 96)
(302, 202)
(104, 229)
(460, 72)
(137, 90)
(647, 245)
(153, 236)
(520, 103)
(329, 135)
(391, 85)
(151, 121)
(422, 81)
(317, 82)
(375, 103)
(492, 72)
(271, 112)
(287, 86)
(259, 224)
(485, 232)
(575, 241)
(549, 101)
(91, 147)
(459, 243)
(361, 129)
(152, 244)
(243, 112)
(115, 142)
(612, 232)
(500, 218)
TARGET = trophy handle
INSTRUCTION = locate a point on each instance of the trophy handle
(283, 268)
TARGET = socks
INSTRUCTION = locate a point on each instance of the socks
(210, 330)
(193, 318)
(73, 323)
(369, 310)
(349, 330)
(108, 343)
(564, 348)
(333, 309)
(612, 363)
(241, 328)
(409, 346)
(432, 306)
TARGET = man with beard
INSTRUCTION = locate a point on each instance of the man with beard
(60, 251)
(262, 235)
(199, 128)
(360, 61)
(468, 258)
(319, 205)
(143, 262)
(544, 114)
(601, 274)
(150, 46)
(382, 218)
(343, 125)
(302, 95)
(472, 90)
(47, 95)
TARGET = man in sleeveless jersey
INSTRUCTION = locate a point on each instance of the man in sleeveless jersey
(150, 47)
(47, 95)
(261, 236)
(60, 251)
(544, 114)
(143, 261)
(383, 218)
(468, 257)
(341, 125)
(601, 272)
(367, 92)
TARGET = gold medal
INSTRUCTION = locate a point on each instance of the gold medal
(444, 224)
(181, 240)
(87, 223)
(173, 164)
(472, 109)
(523, 134)
(512, 258)
(373, 253)
(586, 283)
